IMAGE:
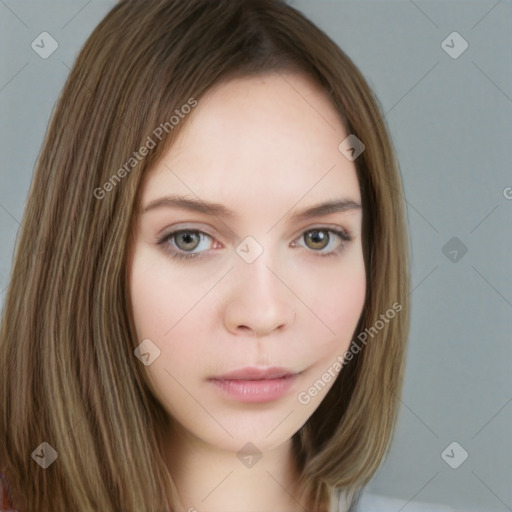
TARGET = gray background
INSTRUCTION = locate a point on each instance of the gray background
(451, 123)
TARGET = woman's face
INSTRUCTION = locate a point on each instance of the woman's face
(252, 283)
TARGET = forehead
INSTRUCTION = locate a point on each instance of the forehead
(258, 141)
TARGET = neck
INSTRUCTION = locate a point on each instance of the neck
(211, 479)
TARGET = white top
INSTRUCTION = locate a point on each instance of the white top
(375, 503)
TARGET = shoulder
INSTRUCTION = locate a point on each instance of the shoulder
(375, 503)
(5, 494)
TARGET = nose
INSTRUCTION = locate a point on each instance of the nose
(259, 301)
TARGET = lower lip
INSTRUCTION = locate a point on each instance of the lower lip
(254, 391)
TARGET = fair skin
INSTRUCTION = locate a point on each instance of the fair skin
(265, 147)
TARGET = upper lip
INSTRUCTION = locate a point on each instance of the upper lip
(256, 373)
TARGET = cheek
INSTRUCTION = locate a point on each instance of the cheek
(338, 298)
(339, 306)
(157, 307)
(161, 315)
(346, 303)
(146, 297)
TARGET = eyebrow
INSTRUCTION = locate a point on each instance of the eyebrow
(219, 210)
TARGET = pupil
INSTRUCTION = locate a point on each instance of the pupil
(187, 238)
(317, 237)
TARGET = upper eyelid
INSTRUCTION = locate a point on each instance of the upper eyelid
(167, 235)
(164, 233)
(215, 232)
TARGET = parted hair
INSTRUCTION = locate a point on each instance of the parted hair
(68, 375)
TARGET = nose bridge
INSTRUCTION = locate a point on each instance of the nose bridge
(259, 300)
(255, 269)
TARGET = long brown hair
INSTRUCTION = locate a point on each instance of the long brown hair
(68, 376)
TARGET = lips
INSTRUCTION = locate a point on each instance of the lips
(257, 373)
(253, 384)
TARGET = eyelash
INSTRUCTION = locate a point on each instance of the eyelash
(181, 256)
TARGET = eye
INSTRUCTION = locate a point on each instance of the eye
(187, 240)
(183, 244)
(318, 239)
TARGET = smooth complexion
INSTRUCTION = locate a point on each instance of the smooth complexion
(266, 148)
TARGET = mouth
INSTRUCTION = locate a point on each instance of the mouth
(256, 385)
(257, 373)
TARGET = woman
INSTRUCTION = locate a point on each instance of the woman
(208, 305)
